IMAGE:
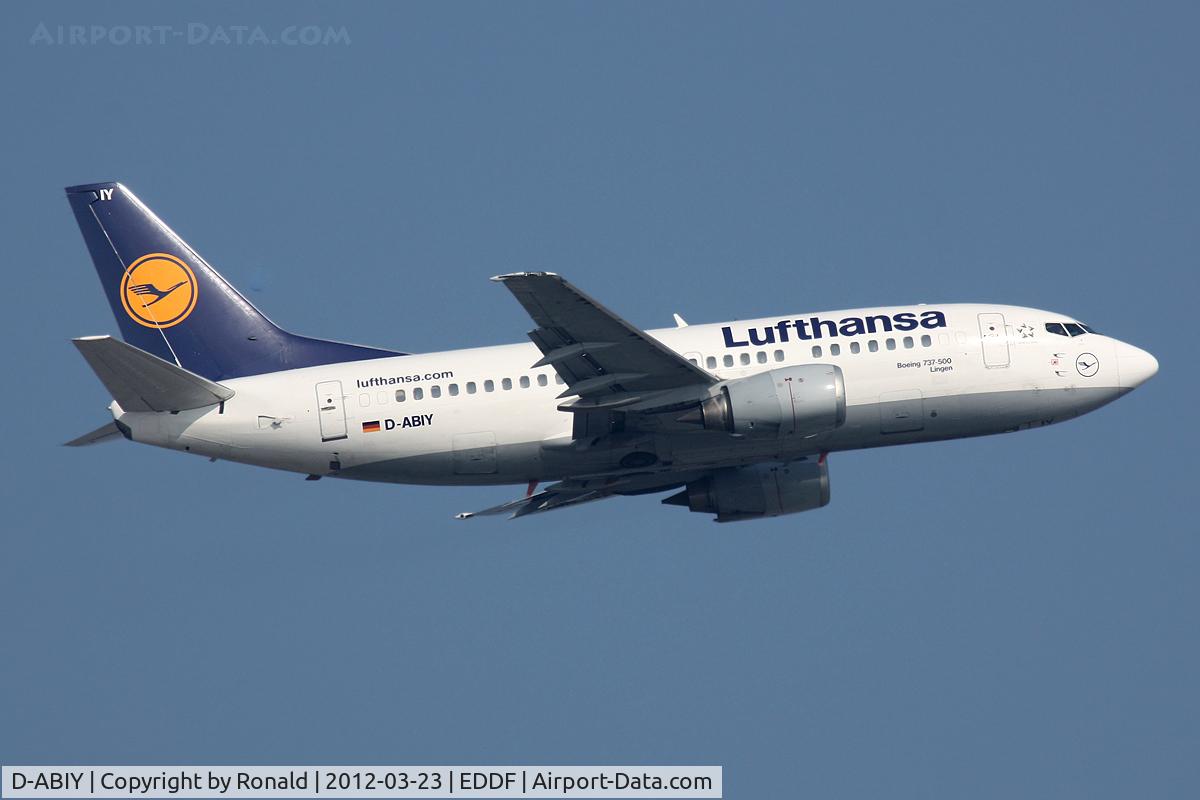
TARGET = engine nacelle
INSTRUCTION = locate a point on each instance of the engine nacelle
(800, 400)
(758, 491)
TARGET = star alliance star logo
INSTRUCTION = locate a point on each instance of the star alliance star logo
(1026, 330)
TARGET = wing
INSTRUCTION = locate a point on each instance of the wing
(575, 491)
(604, 360)
(559, 495)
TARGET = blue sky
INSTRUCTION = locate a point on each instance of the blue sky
(1011, 616)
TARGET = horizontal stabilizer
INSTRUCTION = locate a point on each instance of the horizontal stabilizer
(140, 381)
(104, 433)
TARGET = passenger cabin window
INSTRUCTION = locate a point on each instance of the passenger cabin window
(873, 346)
(694, 362)
(453, 390)
(816, 351)
(524, 381)
(558, 379)
(835, 349)
(926, 341)
(779, 355)
(855, 348)
(762, 356)
(435, 391)
(470, 387)
(506, 384)
(418, 393)
(542, 380)
(728, 361)
(745, 359)
(364, 399)
(711, 362)
(1056, 328)
(891, 344)
(399, 395)
(489, 386)
(908, 343)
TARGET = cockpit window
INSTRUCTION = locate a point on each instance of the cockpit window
(1087, 328)
(1068, 328)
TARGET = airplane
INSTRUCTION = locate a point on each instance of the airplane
(737, 419)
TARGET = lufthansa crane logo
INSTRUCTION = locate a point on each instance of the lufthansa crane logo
(158, 290)
(1087, 364)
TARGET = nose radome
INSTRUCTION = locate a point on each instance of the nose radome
(1134, 365)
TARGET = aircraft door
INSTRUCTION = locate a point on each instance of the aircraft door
(994, 338)
(331, 410)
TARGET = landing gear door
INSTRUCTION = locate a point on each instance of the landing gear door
(902, 411)
(994, 338)
(475, 453)
(331, 410)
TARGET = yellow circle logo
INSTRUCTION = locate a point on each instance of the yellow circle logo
(158, 290)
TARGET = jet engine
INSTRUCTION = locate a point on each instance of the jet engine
(758, 491)
(802, 400)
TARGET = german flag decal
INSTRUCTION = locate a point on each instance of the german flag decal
(371, 427)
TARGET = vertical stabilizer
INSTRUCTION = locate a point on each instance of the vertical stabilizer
(169, 302)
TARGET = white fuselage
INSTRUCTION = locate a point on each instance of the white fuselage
(483, 415)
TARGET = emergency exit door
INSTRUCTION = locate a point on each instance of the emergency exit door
(994, 338)
(331, 410)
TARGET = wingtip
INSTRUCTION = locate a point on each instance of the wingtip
(510, 275)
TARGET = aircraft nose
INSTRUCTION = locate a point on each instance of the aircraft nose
(1134, 365)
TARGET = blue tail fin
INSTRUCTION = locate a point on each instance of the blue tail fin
(168, 301)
